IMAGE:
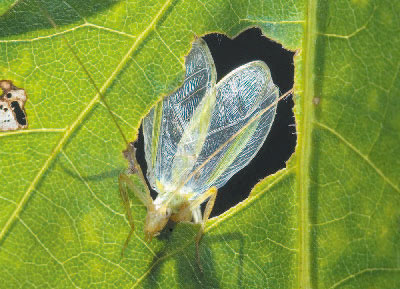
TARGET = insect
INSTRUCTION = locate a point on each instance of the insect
(12, 101)
(199, 136)
(196, 139)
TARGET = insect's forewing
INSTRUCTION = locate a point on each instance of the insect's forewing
(168, 124)
(240, 96)
(192, 140)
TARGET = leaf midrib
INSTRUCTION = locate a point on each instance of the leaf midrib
(68, 132)
(304, 148)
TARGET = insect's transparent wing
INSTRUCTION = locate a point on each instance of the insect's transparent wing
(241, 95)
(192, 140)
(164, 126)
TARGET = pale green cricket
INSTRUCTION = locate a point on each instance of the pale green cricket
(198, 137)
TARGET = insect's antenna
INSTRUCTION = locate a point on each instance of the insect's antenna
(228, 141)
(102, 98)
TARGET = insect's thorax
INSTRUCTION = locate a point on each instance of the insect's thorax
(171, 200)
(169, 196)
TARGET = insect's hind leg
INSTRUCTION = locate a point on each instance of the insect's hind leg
(211, 194)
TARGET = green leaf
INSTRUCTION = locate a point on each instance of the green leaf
(331, 219)
(5, 5)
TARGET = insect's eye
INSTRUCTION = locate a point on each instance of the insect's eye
(9, 95)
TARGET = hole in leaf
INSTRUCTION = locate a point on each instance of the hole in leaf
(229, 54)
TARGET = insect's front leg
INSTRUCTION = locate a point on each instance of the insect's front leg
(123, 192)
(126, 184)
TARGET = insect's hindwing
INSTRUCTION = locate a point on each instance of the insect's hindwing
(241, 113)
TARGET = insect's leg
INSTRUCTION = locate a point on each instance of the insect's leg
(212, 195)
(123, 191)
(140, 191)
(126, 183)
(134, 169)
(202, 198)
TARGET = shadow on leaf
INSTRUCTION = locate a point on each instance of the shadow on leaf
(27, 16)
(114, 173)
(182, 260)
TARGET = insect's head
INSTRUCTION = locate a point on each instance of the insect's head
(156, 220)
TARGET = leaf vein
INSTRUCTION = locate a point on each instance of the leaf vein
(355, 32)
(272, 22)
(367, 270)
(66, 31)
(345, 216)
(29, 131)
(304, 147)
(66, 212)
(360, 154)
(103, 258)
(48, 251)
(169, 49)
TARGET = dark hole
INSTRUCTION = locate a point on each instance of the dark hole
(9, 95)
(229, 54)
(5, 109)
(21, 118)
